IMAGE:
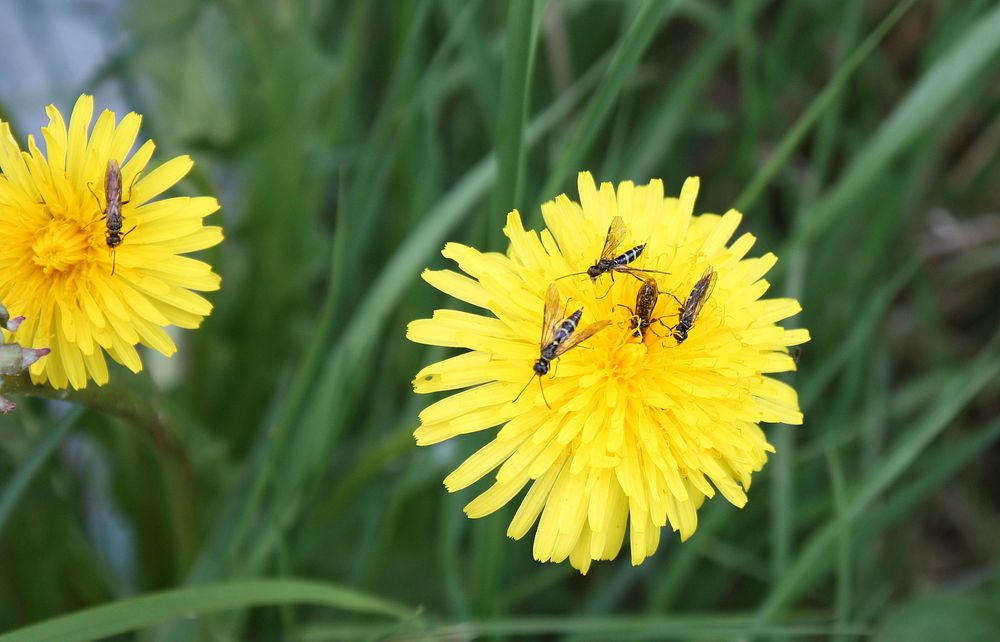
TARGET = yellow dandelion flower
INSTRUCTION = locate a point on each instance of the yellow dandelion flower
(60, 267)
(639, 424)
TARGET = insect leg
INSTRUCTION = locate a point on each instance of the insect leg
(542, 390)
(633, 273)
(134, 179)
(609, 287)
(650, 327)
(97, 198)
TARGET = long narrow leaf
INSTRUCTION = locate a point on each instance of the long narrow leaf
(633, 43)
(517, 68)
(15, 488)
(815, 559)
(147, 610)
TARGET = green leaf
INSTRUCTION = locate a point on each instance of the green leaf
(147, 610)
(818, 107)
(633, 44)
(933, 618)
(514, 98)
(19, 483)
(815, 558)
(937, 92)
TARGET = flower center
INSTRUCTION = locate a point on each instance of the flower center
(60, 245)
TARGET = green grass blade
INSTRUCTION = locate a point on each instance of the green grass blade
(937, 92)
(323, 418)
(474, 48)
(818, 107)
(814, 558)
(681, 626)
(518, 62)
(865, 326)
(844, 577)
(656, 136)
(940, 467)
(147, 610)
(633, 43)
(19, 483)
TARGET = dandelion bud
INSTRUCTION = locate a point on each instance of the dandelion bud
(15, 359)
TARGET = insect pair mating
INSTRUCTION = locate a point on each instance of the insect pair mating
(112, 213)
(649, 293)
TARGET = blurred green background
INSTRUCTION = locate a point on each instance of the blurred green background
(347, 141)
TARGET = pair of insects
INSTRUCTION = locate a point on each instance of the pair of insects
(559, 332)
(112, 216)
(649, 293)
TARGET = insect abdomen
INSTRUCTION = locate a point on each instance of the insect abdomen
(629, 256)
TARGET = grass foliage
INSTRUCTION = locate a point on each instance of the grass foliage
(348, 141)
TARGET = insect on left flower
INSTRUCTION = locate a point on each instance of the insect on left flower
(113, 236)
(55, 268)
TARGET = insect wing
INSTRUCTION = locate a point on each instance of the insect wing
(550, 319)
(616, 234)
(700, 293)
(581, 335)
(113, 182)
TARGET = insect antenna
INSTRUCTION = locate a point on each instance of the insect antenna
(540, 388)
(523, 389)
(584, 273)
(674, 297)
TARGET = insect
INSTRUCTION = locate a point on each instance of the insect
(113, 236)
(689, 309)
(645, 302)
(608, 263)
(558, 336)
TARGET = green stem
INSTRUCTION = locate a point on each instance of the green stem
(19, 483)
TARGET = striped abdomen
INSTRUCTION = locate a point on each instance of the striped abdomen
(566, 328)
(627, 257)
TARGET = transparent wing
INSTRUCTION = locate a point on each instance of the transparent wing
(550, 318)
(581, 335)
(700, 293)
(616, 234)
